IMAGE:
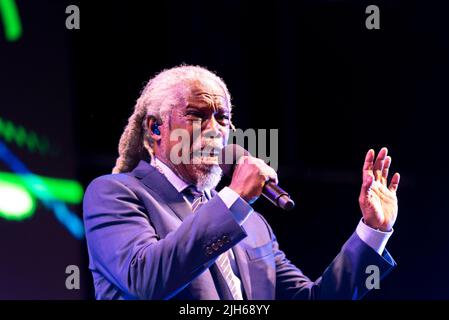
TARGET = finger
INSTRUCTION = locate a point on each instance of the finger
(270, 173)
(368, 164)
(394, 184)
(274, 178)
(387, 165)
(244, 160)
(273, 175)
(379, 164)
(367, 183)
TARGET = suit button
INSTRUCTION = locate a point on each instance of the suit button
(209, 251)
(220, 243)
(215, 246)
(226, 239)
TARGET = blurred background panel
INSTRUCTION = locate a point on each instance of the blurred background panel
(310, 69)
(40, 193)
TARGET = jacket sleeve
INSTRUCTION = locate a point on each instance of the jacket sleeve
(344, 278)
(125, 248)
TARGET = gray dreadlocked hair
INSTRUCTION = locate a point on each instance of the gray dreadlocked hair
(164, 91)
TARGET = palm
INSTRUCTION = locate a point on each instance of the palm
(378, 202)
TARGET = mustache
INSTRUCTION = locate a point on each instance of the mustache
(211, 147)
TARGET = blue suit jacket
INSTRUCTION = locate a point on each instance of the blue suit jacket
(145, 243)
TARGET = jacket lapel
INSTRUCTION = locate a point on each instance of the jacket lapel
(159, 184)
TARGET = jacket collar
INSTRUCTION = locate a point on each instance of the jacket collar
(158, 183)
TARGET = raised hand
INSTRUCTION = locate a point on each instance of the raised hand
(378, 201)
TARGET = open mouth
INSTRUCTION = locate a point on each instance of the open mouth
(207, 155)
(207, 152)
(212, 153)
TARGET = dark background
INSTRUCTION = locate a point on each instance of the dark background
(308, 68)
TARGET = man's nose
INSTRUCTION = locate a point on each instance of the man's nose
(213, 126)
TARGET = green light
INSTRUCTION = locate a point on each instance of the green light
(15, 202)
(46, 188)
(11, 20)
(23, 138)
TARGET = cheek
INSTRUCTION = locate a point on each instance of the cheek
(225, 133)
(181, 134)
(179, 127)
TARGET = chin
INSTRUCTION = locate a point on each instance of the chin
(207, 175)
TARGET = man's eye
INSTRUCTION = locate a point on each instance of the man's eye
(223, 117)
(195, 114)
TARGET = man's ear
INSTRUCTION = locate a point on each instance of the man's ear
(154, 128)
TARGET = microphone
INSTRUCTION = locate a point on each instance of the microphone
(227, 160)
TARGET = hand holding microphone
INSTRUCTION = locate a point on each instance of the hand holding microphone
(252, 177)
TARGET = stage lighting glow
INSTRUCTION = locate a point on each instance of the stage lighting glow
(11, 20)
(46, 188)
(15, 202)
(38, 188)
(23, 138)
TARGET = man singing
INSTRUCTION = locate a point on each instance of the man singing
(157, 228)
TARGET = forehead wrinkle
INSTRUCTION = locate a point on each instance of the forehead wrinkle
(208, 92)
(214, 101)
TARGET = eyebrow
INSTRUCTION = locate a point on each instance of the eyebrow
(204, 106)
(204, 93)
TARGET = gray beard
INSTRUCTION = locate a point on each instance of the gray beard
(208, 176)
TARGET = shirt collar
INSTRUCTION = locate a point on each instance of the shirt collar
(176, 181)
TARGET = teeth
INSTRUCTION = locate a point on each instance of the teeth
(210, 152)
(205, 155)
